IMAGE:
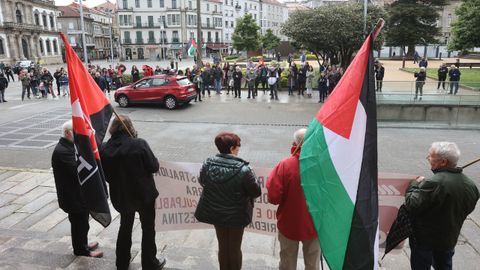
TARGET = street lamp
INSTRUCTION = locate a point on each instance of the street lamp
(162, 36)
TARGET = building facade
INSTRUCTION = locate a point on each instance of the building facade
(97, 25)
(28, 31)
(163, 29)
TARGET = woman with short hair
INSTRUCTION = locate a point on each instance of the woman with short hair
(229, 189)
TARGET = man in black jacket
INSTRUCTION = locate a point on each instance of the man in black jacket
(70, 197)
(439, 205)
(129, 164)
(3, 86)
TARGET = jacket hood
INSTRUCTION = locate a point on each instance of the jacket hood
(223, 167)
(452, 170)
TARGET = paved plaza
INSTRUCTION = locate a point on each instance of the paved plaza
(34, 232)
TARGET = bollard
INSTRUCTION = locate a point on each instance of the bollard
(403, 62)
(440, 56)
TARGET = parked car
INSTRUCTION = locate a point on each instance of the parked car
(24, 64)
(168, 90)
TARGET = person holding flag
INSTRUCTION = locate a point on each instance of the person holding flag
(294, 222)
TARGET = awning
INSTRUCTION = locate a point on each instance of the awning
(216, 46)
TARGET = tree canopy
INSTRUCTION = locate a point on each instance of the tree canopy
(246, 36)
(466, 30)
(413, 22)
(334, 32)
(270, 41)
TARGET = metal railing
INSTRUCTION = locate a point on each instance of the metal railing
(406, 92)
(139, 41)
(23, 26)
(127, 41)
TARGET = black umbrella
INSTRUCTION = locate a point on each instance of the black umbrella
(402, 228)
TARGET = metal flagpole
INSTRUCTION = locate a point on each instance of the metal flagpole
(84, 43)
(111, 42)
(365, 4)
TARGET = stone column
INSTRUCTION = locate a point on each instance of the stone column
(20, 47)
(13, 47)
(34, 53)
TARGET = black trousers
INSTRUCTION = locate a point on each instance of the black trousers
(124, 240)
(229, 247)
(79, 229)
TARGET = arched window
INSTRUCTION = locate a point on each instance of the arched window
(19, 16)
(52, 22)
(40, 43)
(44, 19)
(37, 19)
(55, 48)
(2, 49)
(49, 48)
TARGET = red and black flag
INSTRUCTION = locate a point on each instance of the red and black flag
(91, 113)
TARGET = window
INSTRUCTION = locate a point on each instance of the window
(208, 7)
(44, 19)
(449, 20)
(52, 22)
(209, 36)
(72, 40)
(217, 39)
(173, 19)
(192, 35)
(126, 35)
(162, 3)
(192, 19)
(175, 36)
(138, 21)
(55, 48)
(125, 4)
(150, 21)
(37, 19)
(139, 37)
(190, 5)
(137, 3)
(208, 22)
(163, 36)
(2, 48)
(174, 4)
(18, 14)
(149, 3)
(49, 48)
(151, 37)
(40, 41)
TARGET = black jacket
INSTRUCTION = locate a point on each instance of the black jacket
(229, 189)
(70, 197)
(3, 83)
(129, 164)
(439, 205)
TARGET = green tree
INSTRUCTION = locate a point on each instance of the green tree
(413, 22)
(270, 41)
(466, 30)
(332, 32)
(246, 36)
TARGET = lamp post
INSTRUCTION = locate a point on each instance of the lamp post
(199, 36)
(162, 36)
(85, 56)
(111, 42)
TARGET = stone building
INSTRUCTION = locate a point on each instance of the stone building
(28, 31)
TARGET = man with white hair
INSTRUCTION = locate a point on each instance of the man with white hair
(294, 223)
(70, 197)
(439, 205)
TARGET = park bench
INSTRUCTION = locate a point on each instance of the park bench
(469, 65)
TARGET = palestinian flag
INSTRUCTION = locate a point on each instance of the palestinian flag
(193, 48)
(338, 168)
(91, 113)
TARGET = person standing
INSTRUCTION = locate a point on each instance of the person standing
(8, 72)
(322, 87)
(69, 193)
(379, 74)
(229, 190)
(419, 82)
(442, 76)
(129, 164)
(454, 76)
(64, 84)
(57, 74)
(439, 205)
(217, 76)
(47, 80)
(294, 222)
(135, 74)
(101, 82)
(272, 81)
(3, 86)
(206, 79)
(423, 63)
(24, 77)
(229, 79)
(302, 79)
(198, 80)
(250, 77)
(237, 82)
(309, 83)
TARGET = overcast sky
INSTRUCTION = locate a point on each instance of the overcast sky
(88, 3)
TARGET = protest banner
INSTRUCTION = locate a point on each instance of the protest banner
(177, 183)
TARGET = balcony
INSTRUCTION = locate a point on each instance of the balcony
(175, 40)
(124, 9)
(22, 26)
(151, 41)
(217, 13)
(127, 41)
(139, 41)
(147, 25)
(207, 26)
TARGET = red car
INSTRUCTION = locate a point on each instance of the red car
(164, 89)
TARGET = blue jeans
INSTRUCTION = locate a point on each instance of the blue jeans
(422, 258)
(453, 87)
(218, 85)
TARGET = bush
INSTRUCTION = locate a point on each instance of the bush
(231, 57)
(311, 57)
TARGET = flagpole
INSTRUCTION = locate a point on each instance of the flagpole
(471, 163)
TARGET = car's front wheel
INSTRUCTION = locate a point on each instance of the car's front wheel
(170, 102)
(123, 101)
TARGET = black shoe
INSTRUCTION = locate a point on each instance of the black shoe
(161, 264)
